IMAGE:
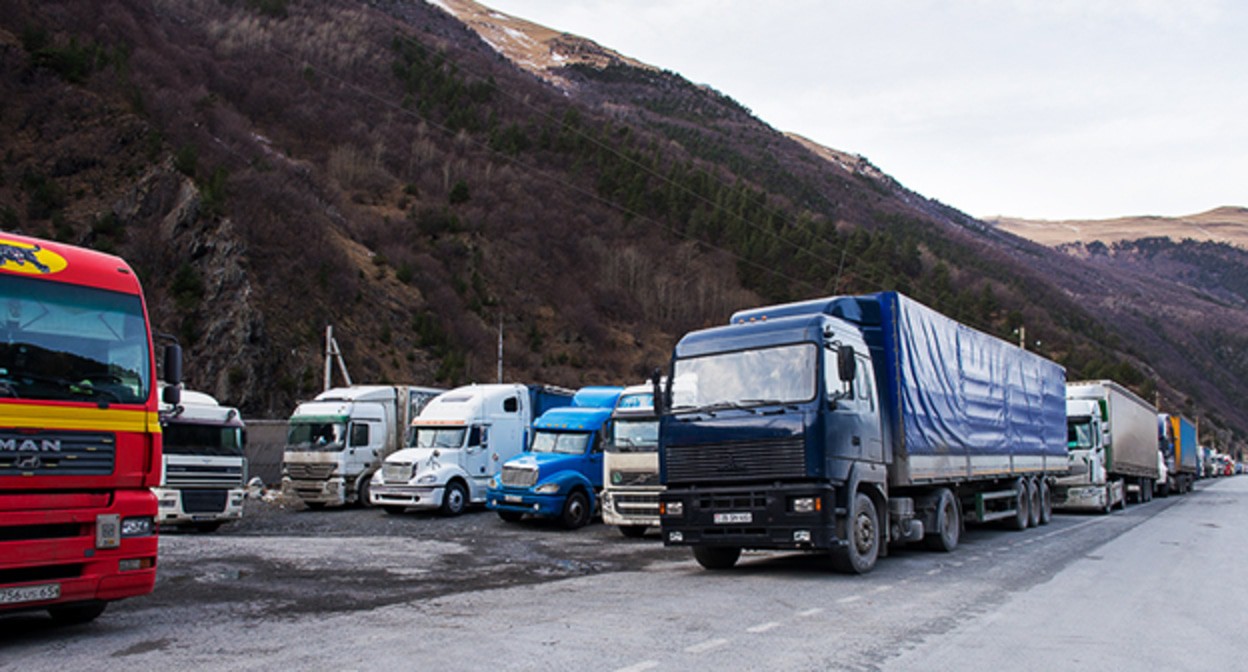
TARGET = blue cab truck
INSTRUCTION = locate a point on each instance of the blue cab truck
(560, 473)
(841, 425)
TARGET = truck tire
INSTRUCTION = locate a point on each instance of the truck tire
(576, 511)
(454, 499)
(716, 557)
(1033, 505)
(948, 523)
(1146, 488)
(1046, 502)
(859, 555)
(510, 516)
(1109, 501)
(633, 531)
(77, 614)
(1022, 507)
(363, 490)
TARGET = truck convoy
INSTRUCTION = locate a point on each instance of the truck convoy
(560, 474)
(1176, 436)
(457, 443)
(842, 424)
(205, 469)
(1110, 434)
(335, 442)
(630, 481)
(80, 441)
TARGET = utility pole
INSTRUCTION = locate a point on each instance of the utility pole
(500, 348)
(333, 352)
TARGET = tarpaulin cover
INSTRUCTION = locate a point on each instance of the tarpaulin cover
(958, 391)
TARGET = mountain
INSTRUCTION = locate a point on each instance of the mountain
(419, 175)
(1225, 224)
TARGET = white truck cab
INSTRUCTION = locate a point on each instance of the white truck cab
(204, 467)
(631, 485)
(457, 444)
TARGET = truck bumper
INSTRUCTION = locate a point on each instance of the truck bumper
(795, 517)
(525, 502)
(408, 496)
(1082, 497)
(331, 492)
(631, 507)
(189, 506)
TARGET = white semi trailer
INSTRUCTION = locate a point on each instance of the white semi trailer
(1112, 443)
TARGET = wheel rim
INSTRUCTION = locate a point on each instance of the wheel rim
(864, 533)
(455, 499)
(576, 509)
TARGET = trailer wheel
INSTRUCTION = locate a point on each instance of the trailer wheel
(859, 555)
(633, 531)
(1022, 506)
(716, 557)
(576, 511)
(1046, 502)
(1034, 504)
(948, 524)
(454, 499)
(77, 614)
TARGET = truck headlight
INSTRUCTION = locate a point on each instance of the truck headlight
(427, 479)
(672, 508)
(496, 481)
(547, 489)
(137, 527)
(805, 504)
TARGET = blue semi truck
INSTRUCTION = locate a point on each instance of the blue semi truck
(560, 473)
(844, 424)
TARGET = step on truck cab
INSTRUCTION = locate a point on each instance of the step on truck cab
(1111, 439)
(844, 424)
(80, 441)
(335, 442)
(560, 475)
(458, 443)
(630, 479)
(205, 468)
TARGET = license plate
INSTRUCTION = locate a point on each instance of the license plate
(47, 591)
(514, 499)
(730, 518)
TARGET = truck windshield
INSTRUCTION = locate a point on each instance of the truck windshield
(437, 437)
(69, 343)
(635, 436)
(182, 438)
(565, 443)
(316, 435)
(1079, 434)
(783, 374)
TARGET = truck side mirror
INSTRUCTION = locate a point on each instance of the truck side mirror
(172, 395)
(847, 365)
(173, 365)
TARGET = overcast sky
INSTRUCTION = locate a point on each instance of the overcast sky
(1053, 109)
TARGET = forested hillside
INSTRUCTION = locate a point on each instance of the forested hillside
(272, 167)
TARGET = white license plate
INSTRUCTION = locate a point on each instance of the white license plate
(730, 518)
(514, 499)
(47, 591)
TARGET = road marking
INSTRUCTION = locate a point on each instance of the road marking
(933, 572)
(763, 627)
(811, 612)
(847, 600)
(640, 667)
(706, 646)
(883, 589)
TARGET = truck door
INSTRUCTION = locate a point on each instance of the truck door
(853, 424)
(507, 431)
(477, 451)
(592, 465)
(363, 445)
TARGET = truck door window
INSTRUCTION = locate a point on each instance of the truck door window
(359, 434)
(474, 437)
(511, 405)
(862, 383)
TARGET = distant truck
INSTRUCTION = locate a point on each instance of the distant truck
(630, 481)
(1111, 438)
(842, 424)
(1177, 438)
(457, 444)
(560, 474)
(205, 468)
(335, 442)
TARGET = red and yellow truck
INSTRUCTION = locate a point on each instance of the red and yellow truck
(79, 430)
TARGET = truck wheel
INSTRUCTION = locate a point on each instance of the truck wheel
(859, 555)
(363, 490)
(454, 499)
(510, 516)
(77, 614)
(576, 511)
(1109, 501)
(1046, 502)
(716, 557)
(948, 524)
(633, 531)
(1146, 487)
(1033, 505)
(1163, 490)
(1022, 507)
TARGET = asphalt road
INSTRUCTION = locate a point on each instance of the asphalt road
(1153, 587)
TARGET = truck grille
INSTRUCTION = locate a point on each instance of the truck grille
(637, 503)
(309, 472)
(396, 472)
(56, 453)
(634, 478)
(742, 461)
(203, 501)
(518, 477)
(201, 476)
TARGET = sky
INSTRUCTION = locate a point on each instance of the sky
(1043, 109)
